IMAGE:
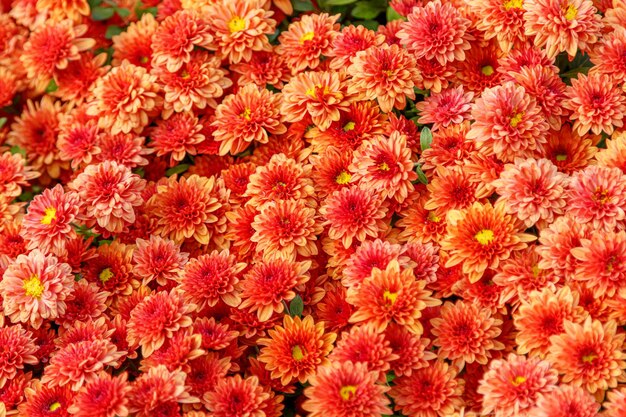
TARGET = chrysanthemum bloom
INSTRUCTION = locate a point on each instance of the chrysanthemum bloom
(597, 104)
(240, 230)
(215, 336)
(349, 42)
(9, 85)
(431, 391)
(367, 256)
(465, 334)
(184, 208)
(572, 400)
(262, 69)
(503, 21)
(597, 195)
(384, 164)
(346, 389)
(14, 174)
(177, 36)
(608, 55)
(559, 26)
(569, 151)
(386, 73)
(270, 283)
(533, 190)
(78, 363)
(75, 81)
(19, 350)
(35, 131)
(212, 277)
(206, 371)
(589, 355)
(542, 315)
(410, 348)
(330, 170)
(177, 352)
(239, 28)
(35, 287)
(449, 147)
(68, 9)
(143, 400)
(103, 396)
(483, 170)
(421, 225)
(481, 236)
(111, 269)
(12, 394)
(78, 139)
(134, 43)
(508, 122)
(87, 301)
(391, 295)
(450, 106)
(176, 136)
(109, 193)
(436, 31)
(236, 397)
(615, 405)
(450, 189)
(295, 350)
(43, 401)
(306, 40)
(156, 318)
(614, 155)
(354, 213)
(285, 229)
(250, 115)
(52, 46)
(513, 385)
(124, 148)
(282, 178)
(158, 259)
(125, 98)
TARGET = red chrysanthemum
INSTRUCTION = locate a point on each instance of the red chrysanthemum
(501, 20)
(158, 259)
(450, 189)
(263, 68)
(450, 106)
(236, 397)
(44, 401)
(349, 42)
(134, 43)
(19, 349)
(104, 396)
(572, 400)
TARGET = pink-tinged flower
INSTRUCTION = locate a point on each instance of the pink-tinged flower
(450, 106)
(212, 277)
(111, 269)
(239, 28)
(9, 86)
(597, 195)
(80, 362)
(236, 397)
(508, 122)
(608, 55)
(87, 302)
(307, 39)
(367, 256)
(268, 283)
(411, 349)
(48, 223)
(572, 400)
(589, 355)
(391, 295)
(157, 318)
(109, 193)
(432, 391)
(568, 150)
(602, 262)
(124, 99)
(263, 68)
(384, 164)
(35, 288)
(18, 350)
(44, 401)
(103, 396)
(177, 136)
(206, 371)
(250, 115)
(466, 334)
(614, 155)
(74, 82)
(12, 394)
(349, 42)
(177, 36)
(319, 95)
(597, 104)
(501, 20)
(346, 390)
(78, 138)
(615, 405)
(533, 190)
(177, 352)
(562, 25)
(449, 147)
(134, 43)
(513, 385)
(15, 174)
(386, 73)
(436, 31)
(215, 336)
(354, 213)
(159, 391)
(450, 189)
(158, 259)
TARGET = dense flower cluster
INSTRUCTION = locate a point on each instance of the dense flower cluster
(265, 208)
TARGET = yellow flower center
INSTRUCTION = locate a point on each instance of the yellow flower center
(561, 157)
(601, 195)
(236, 24)
(347, 392)
(390, 297)
(296, 353)
(433, 217)
(185, 75)
(571, 12)
(518, 380)
(589, 358)
(513, 4)
(343, 178)
(536, 270)
(50, 214)
(246, 114)
(487, 70)
(144, 59)
(33, 286)
(484, 237)
(54, 406)
(312, 92)
(388, 73)
(307, 37)
(349, 126)
(610, 265)
(516, 119)
(105, 275)
(383, 166)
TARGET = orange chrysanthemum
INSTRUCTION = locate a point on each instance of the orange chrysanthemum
(19, 351)
(576, 401)
(134, 44)
(158, 259)
(104, 396)
(177, 136)
(501, 20)
(349, 42)
(450, 189)
(236, 397)
(363, 344)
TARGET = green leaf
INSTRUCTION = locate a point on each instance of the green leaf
(421, 177)
(368, 24)
(368, 9)
(296, 306)
(26, 196)
(339, 2)
(52, 86)
(178, 169)
(140, 12)
(302, 5)
(393, 15)
(17, 149)
(426, 138)
(3, 121)
(113, 31)
(102, 13)
(105, 242)
(391, 376)
(122, 12)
